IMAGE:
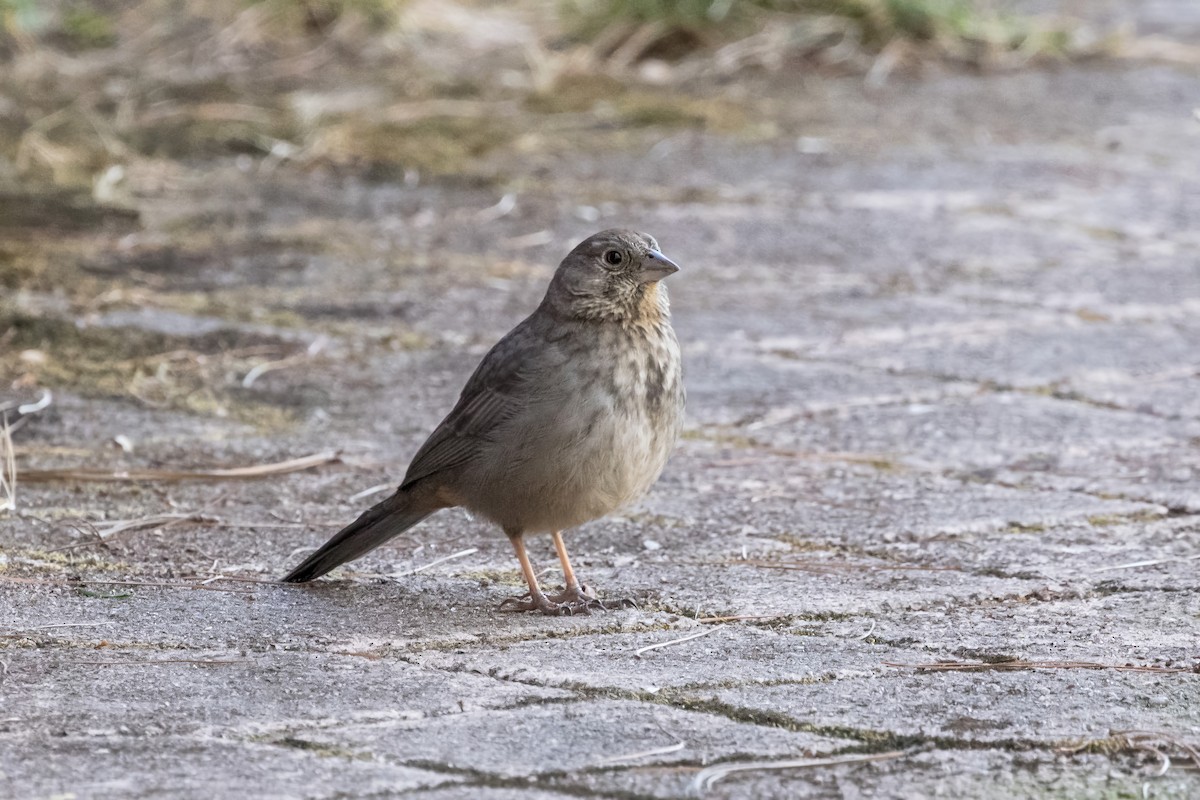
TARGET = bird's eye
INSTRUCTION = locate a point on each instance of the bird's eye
(614, 257)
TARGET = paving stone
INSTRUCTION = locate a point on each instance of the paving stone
(988, 431)
(364, 615)
(484, 791)
(1142, 628)
(835, 497)
(731, 655)
(752, 390)
(1163, 287)
(989, 707)
(564, 739)
(986, 774)
(1164, 395)
(1166, 477)
(161, 765)
(104, 691)
(1086, 554)
(1065, 350)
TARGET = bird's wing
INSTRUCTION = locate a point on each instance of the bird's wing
(493, 395)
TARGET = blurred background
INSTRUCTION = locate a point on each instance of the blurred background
(198, 197)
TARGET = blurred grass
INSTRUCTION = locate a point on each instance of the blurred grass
(318, 16)
(956, 27)
(882, 19)
(92, 23)
(90, 87)
(73, 25)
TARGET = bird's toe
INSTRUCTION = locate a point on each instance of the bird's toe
(583, 600)
(539, 602)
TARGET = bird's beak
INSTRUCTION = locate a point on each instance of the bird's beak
(656, 267)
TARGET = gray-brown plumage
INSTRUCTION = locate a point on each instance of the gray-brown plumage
(569, 417)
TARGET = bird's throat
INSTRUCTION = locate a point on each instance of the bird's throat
(652, 306)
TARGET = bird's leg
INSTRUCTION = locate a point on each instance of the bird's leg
(565, 560)
(534, 600)
(573, 593)
(575, 596)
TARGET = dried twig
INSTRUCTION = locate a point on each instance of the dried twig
(1151, 563)
(370, 490)
(739, 618)
(8, 467)
(224, 473)
(18, 413)
(435, 562)
(638, 653)
(708, 776)
(270, 366)
(153, 522)
(826, 567)
(657, 751)
(104, 533)
(492, 213)
(1015, 664)
(868, 632)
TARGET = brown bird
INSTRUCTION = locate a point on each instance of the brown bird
(569, 417)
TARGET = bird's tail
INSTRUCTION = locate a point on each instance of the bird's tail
(375, 526)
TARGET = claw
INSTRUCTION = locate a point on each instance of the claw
(539, 602)
(515, 603)
(582, 600)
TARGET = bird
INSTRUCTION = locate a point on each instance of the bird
(569, 417)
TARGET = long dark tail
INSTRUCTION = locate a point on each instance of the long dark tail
(375, 526)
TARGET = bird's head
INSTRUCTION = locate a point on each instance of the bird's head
(612, 275)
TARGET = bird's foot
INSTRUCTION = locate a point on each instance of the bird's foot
(582, 600)
(538, 602)
(572, 600)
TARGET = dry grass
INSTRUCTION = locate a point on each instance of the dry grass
(829, 567)
(8, 467)
(104, 532)
(201, 374)
(1163, 746)
(252, 471)
(870, 35)
(277, 75)
(81, 584)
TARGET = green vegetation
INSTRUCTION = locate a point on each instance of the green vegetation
(72, 25)
(86, 28)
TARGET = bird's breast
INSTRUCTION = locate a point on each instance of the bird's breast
(595, 442)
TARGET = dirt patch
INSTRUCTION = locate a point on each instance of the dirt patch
(200, 374)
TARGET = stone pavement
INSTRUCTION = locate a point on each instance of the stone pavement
(943, 355)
